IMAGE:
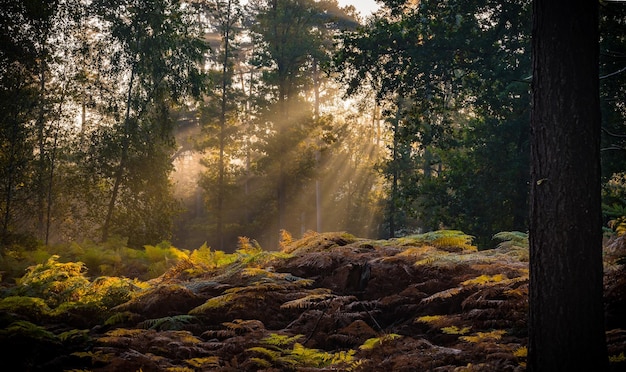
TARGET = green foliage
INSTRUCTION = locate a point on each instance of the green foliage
(284, 352)
(32, 308)
(169, 323)
(121, 318)
(262, 283)
(206, 257)
(454, 330)
(375, 342)
(74, 337)
(24, 330)
(511, 239)
(54, 281)
(444, 239)
(484, 336)
(203, 363)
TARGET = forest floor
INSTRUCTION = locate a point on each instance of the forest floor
(325, 302)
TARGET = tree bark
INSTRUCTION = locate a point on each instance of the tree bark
(566, 330)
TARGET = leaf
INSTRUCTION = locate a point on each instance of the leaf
(372, 343)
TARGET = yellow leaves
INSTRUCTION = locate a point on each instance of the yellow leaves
(372, 343)
(430, 318)
(617, 358)
(485, 279)
(521, 352)
(454, 330)
(484, 336)
(276, 353)
(417, 251)
(213, 303)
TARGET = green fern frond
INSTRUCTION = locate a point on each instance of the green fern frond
(169, 323)
(275, 339)
(454, 330)
(204, 363)
(277, 353)
(213, 303)
(440, 239)
(23, 329)
(511, 239)
(372, 343)
(432, 258)
(450, 238)
(121, 318)
(260, 362)
(31, 307)
(269, 355)
(430, 318)
(484, 336)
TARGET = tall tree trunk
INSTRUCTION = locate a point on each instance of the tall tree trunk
(566, 330)
(222, 139)
(10, 179)
(318, 154)
(41, 140)
(395, 163)
(119, 174)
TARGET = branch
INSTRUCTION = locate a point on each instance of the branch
(613, 134)
(613, 73)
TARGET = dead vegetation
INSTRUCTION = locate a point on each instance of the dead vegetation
(327, 302)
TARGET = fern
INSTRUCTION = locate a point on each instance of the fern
(169, 323)
(439, 239)
(485, 280)
(512, 239)
(443, 294)
(275, 352)
(204, 363)
(617, 358)
(30, 307)
(27, 330)
(310, 301)
(275, 339)
(373, 343)
(521, 352)
(213, 303)
(454, 330)
(285, 239)
(484, 336)
(121, 318)
(430, 318)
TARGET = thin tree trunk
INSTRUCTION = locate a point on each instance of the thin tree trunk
(42, 150)
(566, 329)
(10, 180)
(123, 159)
(394, 174)
(221, 165)
(318, 187)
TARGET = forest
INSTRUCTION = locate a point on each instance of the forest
(230, 185)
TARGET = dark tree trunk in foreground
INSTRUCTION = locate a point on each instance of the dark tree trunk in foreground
(566, 330)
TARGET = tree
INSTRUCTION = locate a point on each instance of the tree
(464, 135)
(566, 329)
(26, 99)
(156, 59)
(219, 110)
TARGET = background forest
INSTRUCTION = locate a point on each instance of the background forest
(202, 121)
